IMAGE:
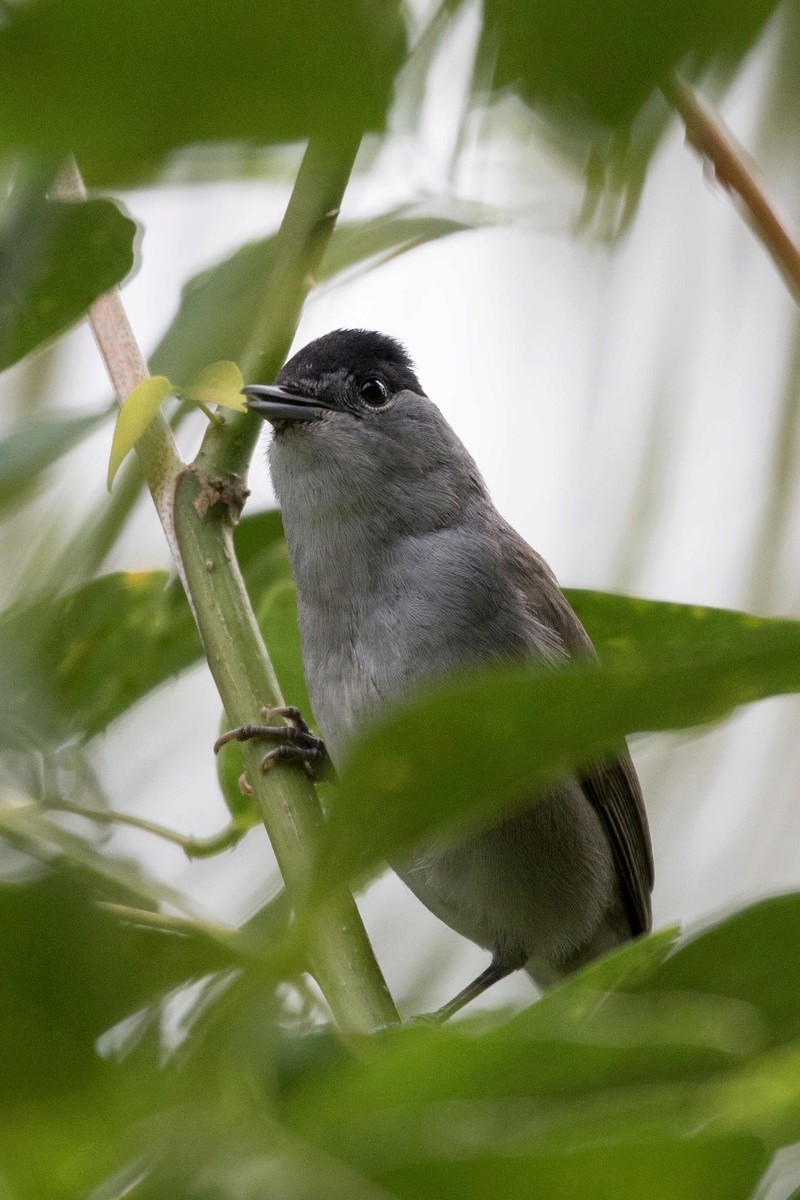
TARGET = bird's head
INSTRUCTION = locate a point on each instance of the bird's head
(354, 427)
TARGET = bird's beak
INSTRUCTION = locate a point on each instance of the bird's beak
(279, 404)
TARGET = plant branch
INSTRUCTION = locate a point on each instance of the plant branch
(126, 366)
(737, 172)
(192, 847)
(198, 506)
(302, 240)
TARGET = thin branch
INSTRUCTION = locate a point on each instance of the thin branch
(737, 172)
(126, 367)
(198, 506)
(278, 960)
(192, 847)
(302, 240)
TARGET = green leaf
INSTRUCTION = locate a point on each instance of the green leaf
(595, 69)
(219, 306)
(277, 618)
(69, 665)
(705, 1168)
(221, 383)
(232, 71)
(743, 957)
(73, 970)
(629, 631)
(34, 445)
(55, 260)
(135, 414)
(467, 751)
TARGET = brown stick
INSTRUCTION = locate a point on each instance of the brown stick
(736, 171)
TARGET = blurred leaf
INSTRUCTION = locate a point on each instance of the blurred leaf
(72, 971)
(32, 446)
(55, 260)
(221, 383)
(465, 752)
(701, 1169)
(595, 71)
(601, 63)
(742, 956)
(72, 664)
(135, 414)
(642, 1049)
(219, 306)
(231, 70)
(25, 825)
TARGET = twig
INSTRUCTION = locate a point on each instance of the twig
(192, 847)
(126, 367)
(198, 506)
(279, 960)
(737, 172)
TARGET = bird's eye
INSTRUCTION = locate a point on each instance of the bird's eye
(374, 393)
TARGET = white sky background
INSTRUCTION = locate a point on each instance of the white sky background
(623, 405)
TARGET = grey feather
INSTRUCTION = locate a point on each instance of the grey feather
(405, 571)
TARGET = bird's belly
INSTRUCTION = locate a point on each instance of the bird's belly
(538, 885)
(351, 676)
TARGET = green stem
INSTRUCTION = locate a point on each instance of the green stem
(303, 237)
(198, 506)
(192, 847)
(341, 957)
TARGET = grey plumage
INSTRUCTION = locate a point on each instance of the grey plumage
(404, 571)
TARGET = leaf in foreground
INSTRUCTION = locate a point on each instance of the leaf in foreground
(465, 752)
(55, 260)
(31, 446)
(232, 71)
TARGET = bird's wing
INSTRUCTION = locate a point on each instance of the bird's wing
(611, 785)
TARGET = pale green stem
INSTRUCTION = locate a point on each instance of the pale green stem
(198, 506)
(191, 846)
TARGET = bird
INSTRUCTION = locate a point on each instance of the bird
(406, 572)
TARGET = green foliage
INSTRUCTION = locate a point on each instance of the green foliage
(217, 315)
(467, 750)
(658, 1071)
(603, 62)
(55, 259)
(595, 73)
(122, 93)
(148, 1052)
(105, 645)
(34, 445)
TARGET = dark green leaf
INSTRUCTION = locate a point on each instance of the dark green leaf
(467, 751)
(55, 259)
(600, 63)
(33, 446)
(700, 1169)
(72, 970)
(277, 617)
(75, 663)
(122, 93)
(743, 957)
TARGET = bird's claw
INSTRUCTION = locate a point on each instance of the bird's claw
(296, 742)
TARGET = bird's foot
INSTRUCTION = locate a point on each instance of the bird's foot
(498, 969)
(295, 742)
